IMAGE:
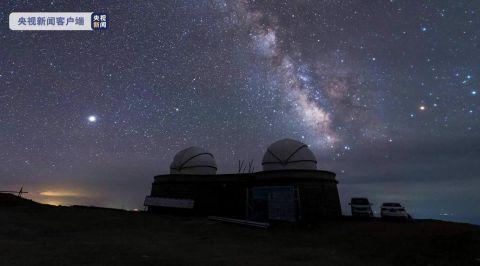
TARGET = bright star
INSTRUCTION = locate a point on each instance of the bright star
(422, 108)
(474, 92)
(92, 118)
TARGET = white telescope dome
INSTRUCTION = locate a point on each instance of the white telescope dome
(289, 154)
(193, 161)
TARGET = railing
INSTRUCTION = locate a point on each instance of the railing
(238, 221)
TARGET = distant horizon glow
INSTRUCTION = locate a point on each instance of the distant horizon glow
(60, 194)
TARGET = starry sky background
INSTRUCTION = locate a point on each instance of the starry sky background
(384, 92)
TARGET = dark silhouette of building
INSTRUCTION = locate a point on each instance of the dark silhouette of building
(290, 188)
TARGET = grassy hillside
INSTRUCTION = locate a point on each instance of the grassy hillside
(7, 200)
(46, 235)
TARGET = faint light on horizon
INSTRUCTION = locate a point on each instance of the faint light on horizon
(59, 194)
(446, 214)
(52, 202)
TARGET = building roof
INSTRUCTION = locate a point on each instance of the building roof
(288, 154)
(194, 161)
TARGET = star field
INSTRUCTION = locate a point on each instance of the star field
(384, 92)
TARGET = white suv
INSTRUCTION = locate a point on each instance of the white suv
(393, 210)
(361, 207)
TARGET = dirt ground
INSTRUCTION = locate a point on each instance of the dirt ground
(46, 235)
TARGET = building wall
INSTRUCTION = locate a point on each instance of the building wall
(226, 195)
(318, 200)
(211, 198)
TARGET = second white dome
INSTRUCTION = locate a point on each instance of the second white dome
(289, 154)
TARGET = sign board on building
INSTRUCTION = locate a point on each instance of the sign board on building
(169, 202)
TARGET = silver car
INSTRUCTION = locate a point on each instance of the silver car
(394, 210)
(361, 207)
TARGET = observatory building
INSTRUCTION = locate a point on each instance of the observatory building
(290, 188)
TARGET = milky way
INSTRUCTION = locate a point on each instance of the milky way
(294, 86)
(384, 92)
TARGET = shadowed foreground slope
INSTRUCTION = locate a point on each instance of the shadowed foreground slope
(46, 235)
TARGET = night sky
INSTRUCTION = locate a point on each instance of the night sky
(386, 93)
